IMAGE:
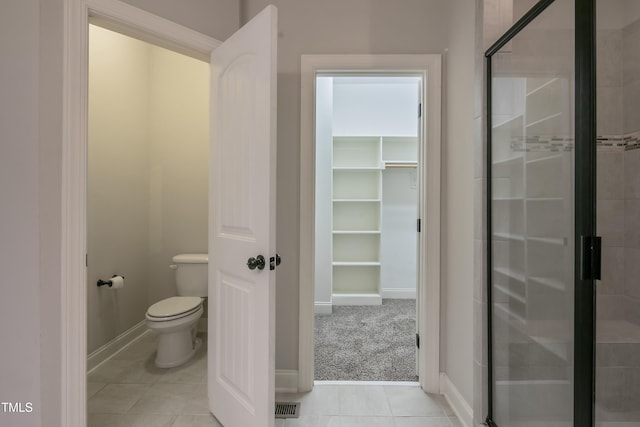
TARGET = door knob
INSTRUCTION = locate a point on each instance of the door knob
(257, 262)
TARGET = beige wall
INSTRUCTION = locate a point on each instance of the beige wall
(31, 37)
(378, 26)
(458, 201)
(148, 174)
(216, 18)
(31, 52)
(118, 182)
(19, 210)
(178, 165)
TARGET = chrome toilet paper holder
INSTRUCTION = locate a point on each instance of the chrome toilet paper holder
(108, 282)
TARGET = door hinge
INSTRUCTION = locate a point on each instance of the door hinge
(418, 340)
(590, 257)
(420, 110)
(419, 225)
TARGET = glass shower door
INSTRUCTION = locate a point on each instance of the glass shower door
(532, 221)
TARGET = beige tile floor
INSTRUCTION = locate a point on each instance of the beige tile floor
(129, 391)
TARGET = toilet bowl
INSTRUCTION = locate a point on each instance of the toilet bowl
(175, 319)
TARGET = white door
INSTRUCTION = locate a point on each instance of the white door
(241, 357)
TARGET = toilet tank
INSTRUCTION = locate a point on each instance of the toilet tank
(191, 274)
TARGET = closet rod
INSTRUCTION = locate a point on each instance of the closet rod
(400, 165)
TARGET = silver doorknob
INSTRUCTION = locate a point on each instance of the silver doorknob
(257, 262)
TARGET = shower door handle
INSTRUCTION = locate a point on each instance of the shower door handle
(590, 257)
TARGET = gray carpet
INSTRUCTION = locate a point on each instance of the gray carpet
(367, 343)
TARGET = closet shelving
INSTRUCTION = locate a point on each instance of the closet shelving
(358, 163)
(531, 178)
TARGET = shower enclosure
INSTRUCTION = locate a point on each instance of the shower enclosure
(564, 216)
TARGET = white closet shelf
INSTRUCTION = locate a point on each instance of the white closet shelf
(543, 119)
(507, 236)
(356, 264)
(510, 161)
(513, 121)
(557, 156)
(550, 282)
(356, 232)
(508, 199)
(503, 311)
(545, 199)
(557, 241)
(356, 168)
(510, 293)
(510, 274)
(356, 200)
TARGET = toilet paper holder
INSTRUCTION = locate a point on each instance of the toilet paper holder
(107, 282)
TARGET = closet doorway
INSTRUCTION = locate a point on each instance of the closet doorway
(370, 190)
(366, 226)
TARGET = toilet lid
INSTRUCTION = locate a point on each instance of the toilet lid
(174, 306)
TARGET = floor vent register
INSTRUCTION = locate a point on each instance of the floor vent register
(287, 409)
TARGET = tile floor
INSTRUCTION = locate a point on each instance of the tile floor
(129, 391)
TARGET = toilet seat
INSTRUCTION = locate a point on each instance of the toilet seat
(173, 308)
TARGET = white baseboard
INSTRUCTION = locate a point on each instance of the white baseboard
(356, 299)
(286, 381)
(116, 345)
(323, 308)
(460, 407)
(399, 293)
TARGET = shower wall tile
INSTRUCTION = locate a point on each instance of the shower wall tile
(610, 177)
(609, 54)
(609, 110)
(631, 53)
(631, 106)
(609, 307)
(632, 219)
(618, 354)
(632, 313)
(612, 282)
(610, 222)
(631, 174)
(632, 272)
(613, 388)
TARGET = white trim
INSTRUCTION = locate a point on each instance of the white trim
(116, 345)
(356, 299)
(323, 308)
(286, 381)
(73, 299)
(400, 293)
(460, 407)
(371, 383)
(429, 281)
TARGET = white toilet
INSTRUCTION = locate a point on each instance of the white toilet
(175, 319)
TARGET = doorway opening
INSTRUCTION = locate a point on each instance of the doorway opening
(358, 254)
(368, 139)
(147, 201)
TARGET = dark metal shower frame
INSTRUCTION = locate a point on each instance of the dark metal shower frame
(585, 207)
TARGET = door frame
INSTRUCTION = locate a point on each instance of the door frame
(430, 68)
(131, 21)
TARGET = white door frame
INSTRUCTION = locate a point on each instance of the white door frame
(429, 67)
(134, 22)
